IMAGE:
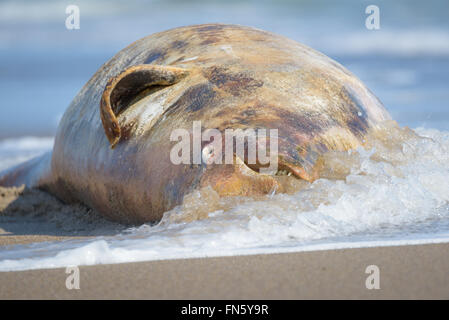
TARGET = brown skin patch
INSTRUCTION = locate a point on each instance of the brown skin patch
(233, 83)
(212, 28)
(294, 129)
(179, 44)
(66, 190)
(127, 130)
(309, 123)
(357, 125)
(194, 99)
(348, 106)
(238, 179)
(356, 117)
(155, 55)
(211, 34)
(210, 40)
(232, 118)
(298, 154)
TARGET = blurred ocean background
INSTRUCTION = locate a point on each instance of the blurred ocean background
(405, 63)
(43, 65)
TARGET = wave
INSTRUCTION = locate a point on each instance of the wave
(316, 25)
(17, 150)
(395, 190)
(391, 42)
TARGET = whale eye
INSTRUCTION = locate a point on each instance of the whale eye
(211, 154)
(123, 88)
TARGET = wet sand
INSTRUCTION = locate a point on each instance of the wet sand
(406, 272)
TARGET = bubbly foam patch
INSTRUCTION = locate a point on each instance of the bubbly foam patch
(394, 190)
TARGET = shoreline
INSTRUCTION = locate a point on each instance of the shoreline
(406, 272)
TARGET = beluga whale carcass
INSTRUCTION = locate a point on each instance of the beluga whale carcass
(114, 143)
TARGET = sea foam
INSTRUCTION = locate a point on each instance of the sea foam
(393, 191)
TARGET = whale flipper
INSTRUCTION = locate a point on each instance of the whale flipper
(33, 173)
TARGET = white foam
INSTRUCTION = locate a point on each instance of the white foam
(102, 252)
(397, 200)
(26, 144)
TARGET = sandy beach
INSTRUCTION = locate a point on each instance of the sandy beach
(26, 216)
(406, 272)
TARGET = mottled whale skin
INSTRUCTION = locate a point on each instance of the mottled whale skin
(112, 147)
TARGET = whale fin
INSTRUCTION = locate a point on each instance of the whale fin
(121, 89)
(32, 173)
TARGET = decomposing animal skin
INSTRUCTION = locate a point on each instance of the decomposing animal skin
(112, 147)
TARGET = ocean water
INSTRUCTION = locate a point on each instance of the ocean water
(396, 191)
